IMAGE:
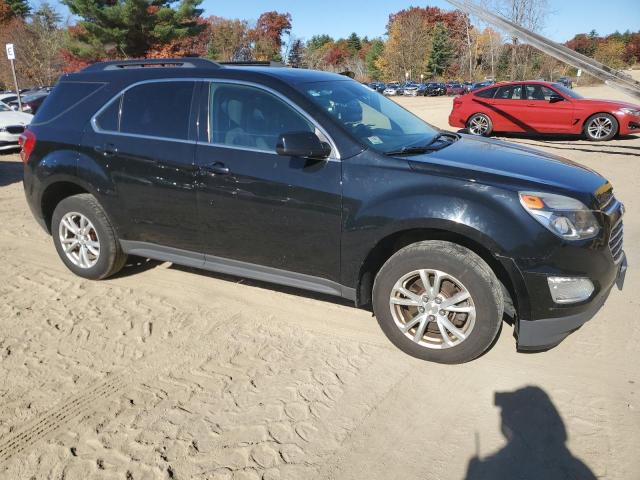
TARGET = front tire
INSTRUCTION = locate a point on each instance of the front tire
(438, 301)
(601, 127)
(85, 239)
(480, 125)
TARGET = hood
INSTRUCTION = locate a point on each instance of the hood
(609, 103)
(505, 162)
(15, 118)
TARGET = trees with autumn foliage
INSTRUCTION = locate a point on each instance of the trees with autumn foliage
(267, 35)
(616, 50)
(425, 43)
(130, 28)
(410, 42)
(37, 42)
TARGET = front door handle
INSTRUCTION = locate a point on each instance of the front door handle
(217, 168)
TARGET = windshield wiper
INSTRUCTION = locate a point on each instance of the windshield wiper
(434, 144)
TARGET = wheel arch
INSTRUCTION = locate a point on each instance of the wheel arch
(387, 246)
(54, 193)
(591, 115)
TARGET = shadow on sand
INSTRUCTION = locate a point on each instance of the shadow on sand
(536, 447)
(10, 172)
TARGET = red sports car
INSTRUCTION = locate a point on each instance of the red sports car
(542, 107)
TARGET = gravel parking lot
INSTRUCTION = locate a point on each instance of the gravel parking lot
(168, 372)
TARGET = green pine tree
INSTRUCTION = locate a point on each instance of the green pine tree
(130, 28)
(318, 41)
(354, 43)
(374, 53)
(20, 8)
(296, 53)
(441, 51)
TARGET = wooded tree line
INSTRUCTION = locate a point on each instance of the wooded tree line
(423, 43)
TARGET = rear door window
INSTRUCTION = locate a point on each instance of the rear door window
(157, 109)
(109, 118)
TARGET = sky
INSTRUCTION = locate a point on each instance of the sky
(339, 18)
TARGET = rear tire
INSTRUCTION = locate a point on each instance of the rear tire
(85, 240)
(480, 125)
(427, 322)
(601, 127)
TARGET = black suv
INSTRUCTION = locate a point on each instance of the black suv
(310, 179)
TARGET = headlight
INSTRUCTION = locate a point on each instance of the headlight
(565, 216)
(631, 111)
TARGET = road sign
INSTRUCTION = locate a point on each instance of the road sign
(11, 54)
(579, 72)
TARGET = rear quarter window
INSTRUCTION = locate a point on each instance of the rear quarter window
(63, 98)
(489, 93)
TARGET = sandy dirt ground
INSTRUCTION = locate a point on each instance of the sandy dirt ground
(170, 373)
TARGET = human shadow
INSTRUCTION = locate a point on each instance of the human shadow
(10, 172)
(536, 447)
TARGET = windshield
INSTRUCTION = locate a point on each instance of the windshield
(567, 91)
(373, 119)
(4, 108)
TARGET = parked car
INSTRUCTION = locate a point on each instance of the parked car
(30, 103)
(467, 86)
(281, 175)
(454, 88)
(435, 89)
(393, 89)
(411, 90)
(11, 126)
(479, 85)
(566, 81)
(542, 108)
(378, 86)
(6, 98)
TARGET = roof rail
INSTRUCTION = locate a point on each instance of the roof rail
(253, 63)
(190, 62)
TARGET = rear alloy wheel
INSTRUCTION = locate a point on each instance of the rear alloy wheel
(480, 125)
(438, 301)
(601, 127)
(85, 240)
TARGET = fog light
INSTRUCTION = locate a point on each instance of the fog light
(570, 289)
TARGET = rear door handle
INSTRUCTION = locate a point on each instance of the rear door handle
(107, 149)
(217, 168)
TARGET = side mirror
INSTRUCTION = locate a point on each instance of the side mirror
(302, 144)
(556, 99)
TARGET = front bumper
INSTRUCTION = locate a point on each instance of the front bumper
(8, 141)
(629, 124)
(545, 333)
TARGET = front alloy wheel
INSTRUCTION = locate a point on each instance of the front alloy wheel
(601, 127)
(438, 301)
(432, 308)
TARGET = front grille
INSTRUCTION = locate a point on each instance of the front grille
(616, 241)
(15, 128)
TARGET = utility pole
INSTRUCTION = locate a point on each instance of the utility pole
(11, 55)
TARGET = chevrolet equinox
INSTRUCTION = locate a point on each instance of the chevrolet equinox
(311, 180)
